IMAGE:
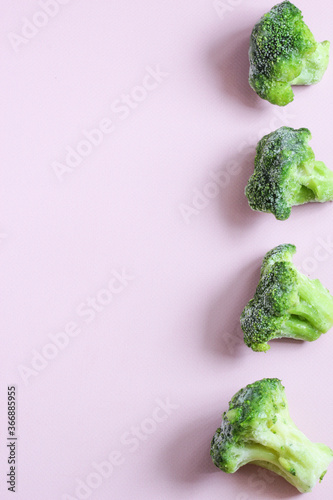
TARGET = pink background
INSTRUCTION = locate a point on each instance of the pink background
(172, 332)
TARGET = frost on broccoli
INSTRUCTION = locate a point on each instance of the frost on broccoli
(257, 428)
(287, 174)
(283, 52)
(286, 303)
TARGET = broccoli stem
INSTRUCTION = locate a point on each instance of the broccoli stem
(254, 452)
(316, 303)
(314, 183)
(319, 179)
(315, 65)
(288, 452)
(303, 195)
(296, 328)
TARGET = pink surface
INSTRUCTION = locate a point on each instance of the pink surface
(144, 372)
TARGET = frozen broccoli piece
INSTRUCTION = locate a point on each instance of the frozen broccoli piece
(287, 174)
(258, 429)
(283, 52)
(286, 303)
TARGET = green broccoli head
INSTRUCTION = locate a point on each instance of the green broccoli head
(283, 52)
(286, 303)
(257, 428)
(286, 174)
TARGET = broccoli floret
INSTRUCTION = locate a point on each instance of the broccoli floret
(287, 174)
(283, 52)
(257, 428)
(286, 303)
